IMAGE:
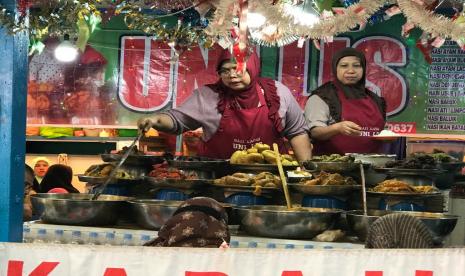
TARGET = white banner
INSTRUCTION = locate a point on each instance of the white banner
(61, 260)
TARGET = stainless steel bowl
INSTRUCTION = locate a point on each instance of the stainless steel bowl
(278, 222)
(440, 225)
(152, 213)
(78, 209)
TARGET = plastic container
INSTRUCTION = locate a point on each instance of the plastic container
(246, 198)
(127, 132)
(323, 202)
(401, 206)
(170, 194)
(27, 235)
(41, 236)
(94, 238)
(76, 237)
(109, 239)
(59, 236)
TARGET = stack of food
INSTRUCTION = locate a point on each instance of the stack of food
(162, 171)
(263, 179)
(261, 154)
(104, 170)
(396, 186)
(333, 158)
(325, 178)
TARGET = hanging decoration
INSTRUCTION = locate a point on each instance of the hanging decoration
(436, 25)
(212, 21)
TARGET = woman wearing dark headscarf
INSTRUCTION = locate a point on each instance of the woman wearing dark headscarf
(342, 113)
(58, 176)
(198, 222)
(237, 111)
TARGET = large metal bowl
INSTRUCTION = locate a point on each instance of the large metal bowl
(78, 209)
(440, 225)
(278, 222)
(152, 213)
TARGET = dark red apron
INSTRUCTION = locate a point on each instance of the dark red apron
(365, 113)
(240, 129)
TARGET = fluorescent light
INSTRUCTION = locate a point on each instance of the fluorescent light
(255, 20)
(66, 51)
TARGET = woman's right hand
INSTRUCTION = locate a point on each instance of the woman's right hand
(349, 128)
(144, 124)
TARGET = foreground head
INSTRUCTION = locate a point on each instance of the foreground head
(198, 222)
(237, 81)
(41, 165)
(57, 176)
(349, 66)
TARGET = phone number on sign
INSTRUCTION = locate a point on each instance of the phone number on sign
(402, 127)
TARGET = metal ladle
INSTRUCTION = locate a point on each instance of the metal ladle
(113, 172)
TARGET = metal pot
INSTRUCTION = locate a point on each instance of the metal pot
(279, 222)
(440, 225)
(78, 209)
(153, 213)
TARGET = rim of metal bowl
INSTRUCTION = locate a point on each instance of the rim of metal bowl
(85, 197)
(262, 208)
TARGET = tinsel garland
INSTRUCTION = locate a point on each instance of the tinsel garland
(353, 15)
(436, 25)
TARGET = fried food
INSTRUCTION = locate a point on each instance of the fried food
(259, 154)
(264, 179)
(254, 158)
(394, 186)
(261, 147)
(326, 179)
(425, 189)
(237, 157)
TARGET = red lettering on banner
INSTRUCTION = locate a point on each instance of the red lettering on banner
(44, 269)
(373, 273)
(382, 53)
(111, 271)
(145, 74)
(292, 273)
(423, 273)
(15, 268)
(196, 67)
(192, 273)
(293, 63)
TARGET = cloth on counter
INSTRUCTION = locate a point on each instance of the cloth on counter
(198, 222)
(398, 231)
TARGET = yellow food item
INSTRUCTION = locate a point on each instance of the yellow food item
(252, 150)
(286, 162)
(238, 156)
(254, 158)
(261, 147)
(287, 157)
(270, 156)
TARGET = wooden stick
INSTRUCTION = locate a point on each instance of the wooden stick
(282, 176)
(364, 191)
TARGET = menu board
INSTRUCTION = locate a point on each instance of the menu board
(445, 109)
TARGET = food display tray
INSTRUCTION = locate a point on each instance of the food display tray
(411, 195)
(332, 167)
(323, 189)
(401, 171)
(259, 168)
(198, 164)
(99, 180)
(244, 188)
(135, 159)
(177, 183)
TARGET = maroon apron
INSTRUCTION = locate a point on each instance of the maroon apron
(365, 113)
(240, 129)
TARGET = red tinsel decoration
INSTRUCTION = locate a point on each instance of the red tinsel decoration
(23, 6)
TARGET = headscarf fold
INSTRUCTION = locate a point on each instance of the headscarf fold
(58, 176)
(398, 231)
(354, 90)
(198, 222)
(248, 97)
(328, 91)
